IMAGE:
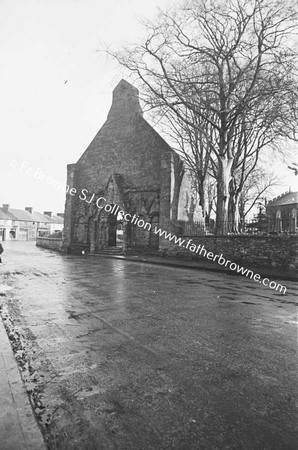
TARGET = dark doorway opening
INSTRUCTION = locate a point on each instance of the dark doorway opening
(115, 230)
(112, 230)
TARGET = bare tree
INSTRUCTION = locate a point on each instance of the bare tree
(230, 63)
(257, 185)
(255, 134)
(192, 145)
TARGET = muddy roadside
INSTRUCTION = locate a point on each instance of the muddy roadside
(29, 356)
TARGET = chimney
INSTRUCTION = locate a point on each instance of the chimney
(60, 215)
(5, 206)
(29, 209)
(125, 101)
(48, 213)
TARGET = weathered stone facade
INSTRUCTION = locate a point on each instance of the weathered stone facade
(251, 251)
(129, 165)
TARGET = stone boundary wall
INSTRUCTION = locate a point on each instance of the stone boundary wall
(249, 251)
(50, 243)
(259, 251)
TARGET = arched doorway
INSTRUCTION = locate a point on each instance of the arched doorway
(119, 232)
(115, 230)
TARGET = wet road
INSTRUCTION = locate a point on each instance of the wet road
(136, 356)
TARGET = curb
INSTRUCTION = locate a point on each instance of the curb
(18, 427)
(196, 266)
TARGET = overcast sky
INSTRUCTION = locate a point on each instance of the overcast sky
(56, 88)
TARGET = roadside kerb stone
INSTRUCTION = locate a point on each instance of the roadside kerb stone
(264, 272)
(18, 427)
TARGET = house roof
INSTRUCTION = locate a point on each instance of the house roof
(55, 219)
(40, 217)
(21, 215)
(288, 198)
(5, 215)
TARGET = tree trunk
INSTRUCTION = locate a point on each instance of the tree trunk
(241, 210)
(236, 215)
(202, 193)
(231, 211)
(223, 181)
(178, 177)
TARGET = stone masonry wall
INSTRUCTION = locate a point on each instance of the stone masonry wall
(126, 144)
(252, 251)
(50, 243)
(128, 147)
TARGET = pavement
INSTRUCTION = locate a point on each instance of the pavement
(265, 271)
(18, 427)
(145, 356)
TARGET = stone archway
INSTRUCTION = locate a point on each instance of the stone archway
(109, 230)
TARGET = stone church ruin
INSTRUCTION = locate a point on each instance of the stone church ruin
(130, 165)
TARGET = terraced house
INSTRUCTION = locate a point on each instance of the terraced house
(26, 225)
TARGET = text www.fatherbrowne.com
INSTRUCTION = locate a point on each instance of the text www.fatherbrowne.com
(102, 203)
(202, 251)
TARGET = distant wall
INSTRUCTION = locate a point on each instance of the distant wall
(259, 251)
(50, 243)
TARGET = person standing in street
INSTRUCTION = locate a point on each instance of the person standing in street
(1, 251)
